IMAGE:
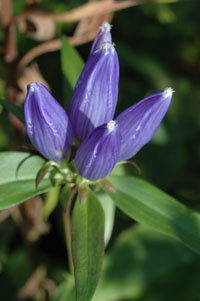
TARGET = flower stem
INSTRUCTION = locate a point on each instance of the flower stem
(51, 201)
(67, 227)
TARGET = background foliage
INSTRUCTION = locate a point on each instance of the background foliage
(158, 46)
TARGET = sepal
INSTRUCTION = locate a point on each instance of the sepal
(83, 191)
(42, 173)
(107, 185)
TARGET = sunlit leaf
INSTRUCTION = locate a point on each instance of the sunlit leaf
(17, 178)
(150, 206)
(72, 65)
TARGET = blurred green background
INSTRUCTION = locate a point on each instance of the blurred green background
(158, 46)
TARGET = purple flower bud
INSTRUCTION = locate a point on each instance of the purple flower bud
(47, 123)
(139, 123)
(98, 154)
(95, 95)
(103, 36)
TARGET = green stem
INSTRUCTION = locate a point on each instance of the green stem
(67, 226)
(51, 201)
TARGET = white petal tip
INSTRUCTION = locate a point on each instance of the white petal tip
(106, 26)
(111, 125)
(106, 46)
(168, 92)
(33, 86)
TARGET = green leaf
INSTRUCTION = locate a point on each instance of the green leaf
(64, 196)
(150, 206)
(12, 108)
(87, 245)
(109, 212)
(139, 257)
(51, 201)
(65, 290)
(72, 65)
(17, 178)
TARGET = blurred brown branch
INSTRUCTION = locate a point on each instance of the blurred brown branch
(9, 29)
(53, 45)
(94, 9)
(86, 10)
(92, 14)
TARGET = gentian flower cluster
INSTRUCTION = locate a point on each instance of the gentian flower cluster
(102, 141)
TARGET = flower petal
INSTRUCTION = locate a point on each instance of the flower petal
(103, 36)
(95, 95)
(47, 123)
(98, 154)
(139, 123)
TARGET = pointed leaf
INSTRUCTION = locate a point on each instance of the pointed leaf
(72, 63)
(87, 245)
(150, 206)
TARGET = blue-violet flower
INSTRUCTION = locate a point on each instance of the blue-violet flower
(47, 123)
(104, 141)
(103, 36)
(98, 154)
(95, 96)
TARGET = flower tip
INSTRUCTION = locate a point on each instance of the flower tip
(106, 26)
(168, 92)
(33, 86)
(106, 46)
(104, 35)
(111, 125)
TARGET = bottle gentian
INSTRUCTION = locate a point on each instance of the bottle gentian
(103, 36)
(136, 125)
(47, 123)
(95, 96)
(98, 154)
(103, 141)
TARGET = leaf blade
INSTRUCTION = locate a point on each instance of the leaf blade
(72, 63)
(152, 207)
(17, 178)
(87, 245)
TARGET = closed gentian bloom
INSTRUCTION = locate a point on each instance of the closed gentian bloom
(139, 123)
(104, 141)
(103, 36)
(98, 154)
(135, 127)
(47, 123)
(95, 95)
